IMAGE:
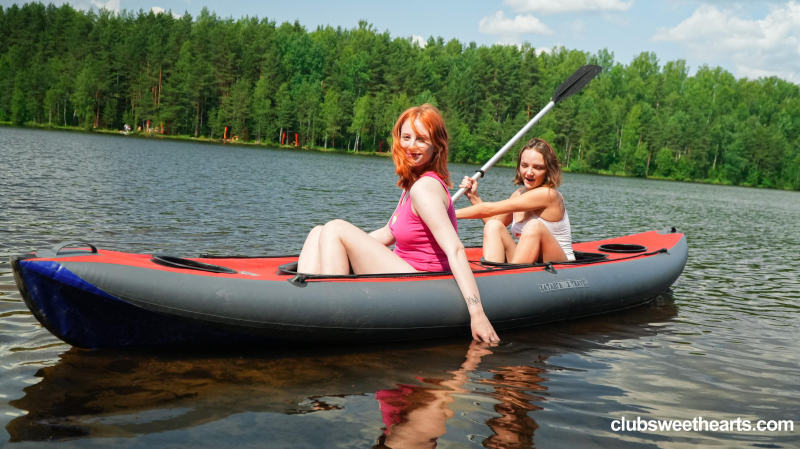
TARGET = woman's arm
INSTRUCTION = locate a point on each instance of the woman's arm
(429, 201)
(538, 198)
(473, 197)
(383, 235)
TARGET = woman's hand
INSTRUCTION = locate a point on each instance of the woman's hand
(482, 329)
(471, 186)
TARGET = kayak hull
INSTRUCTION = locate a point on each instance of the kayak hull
(108, 299)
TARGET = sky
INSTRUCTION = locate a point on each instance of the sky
(748, 38)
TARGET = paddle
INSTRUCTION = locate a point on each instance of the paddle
(572, 85)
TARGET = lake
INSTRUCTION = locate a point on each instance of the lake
(721, 344)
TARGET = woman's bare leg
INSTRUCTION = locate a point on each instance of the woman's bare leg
(309, 261)
(342, 245)
(537, 244)
(498, 246)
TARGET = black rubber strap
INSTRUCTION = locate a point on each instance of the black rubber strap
(63, 245)
(483, 173)
(302, 278)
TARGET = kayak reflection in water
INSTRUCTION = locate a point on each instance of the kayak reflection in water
(536, 212)
(423, 226)
(416, 416)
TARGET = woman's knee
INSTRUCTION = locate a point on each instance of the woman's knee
(314, 233)
(313, 236)
(332, 229)
(335, 225)
(533, 228)
(492, 228)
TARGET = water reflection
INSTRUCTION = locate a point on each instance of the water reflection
(514, 428)
(415, 416)
(417, 388)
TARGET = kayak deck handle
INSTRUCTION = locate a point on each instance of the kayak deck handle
(63, 245)
(186, 264)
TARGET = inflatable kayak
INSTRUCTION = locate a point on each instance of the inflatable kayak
(95, 298)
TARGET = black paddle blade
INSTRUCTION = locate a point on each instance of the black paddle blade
(576, 82)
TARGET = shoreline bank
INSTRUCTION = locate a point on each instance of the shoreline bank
(187, 138)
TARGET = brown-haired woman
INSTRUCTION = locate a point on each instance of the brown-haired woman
(422, 227)
(535, 211)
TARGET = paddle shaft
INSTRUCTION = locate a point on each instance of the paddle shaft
(478, 174)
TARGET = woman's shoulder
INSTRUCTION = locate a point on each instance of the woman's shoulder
(552, 194)
(426, 184)
(544, 190)
(544, 195)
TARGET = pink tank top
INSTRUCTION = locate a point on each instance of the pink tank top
(414, 242)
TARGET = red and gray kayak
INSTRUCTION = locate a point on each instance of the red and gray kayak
(94, 298)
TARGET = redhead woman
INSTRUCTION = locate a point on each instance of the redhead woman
(422, 227)
(536, 212)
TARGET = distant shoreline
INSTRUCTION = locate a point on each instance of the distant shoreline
(186, 138)
(319, 149)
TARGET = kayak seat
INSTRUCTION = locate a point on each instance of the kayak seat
(186, 264)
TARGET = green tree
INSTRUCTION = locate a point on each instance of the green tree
(237, 107)
(90, 85)
(331, 116)
(631, 151)
(362, 119)
(665, 163)
(286, 111)
(308, 100)
(263, 113)
(217, 119)
(19, 112)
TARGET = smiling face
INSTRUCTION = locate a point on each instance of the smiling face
(532, 169)
(419, 144)
(416, 144)
(537, 165)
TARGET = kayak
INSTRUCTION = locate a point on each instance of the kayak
(96, 298)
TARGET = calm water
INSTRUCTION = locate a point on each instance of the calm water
(722, 344)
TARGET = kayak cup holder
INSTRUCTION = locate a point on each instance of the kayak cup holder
(622, 248)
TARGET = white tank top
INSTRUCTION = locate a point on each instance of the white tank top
(560, 229)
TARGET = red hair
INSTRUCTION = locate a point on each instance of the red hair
(432, 120)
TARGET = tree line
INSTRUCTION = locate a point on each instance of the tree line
(255, 80)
